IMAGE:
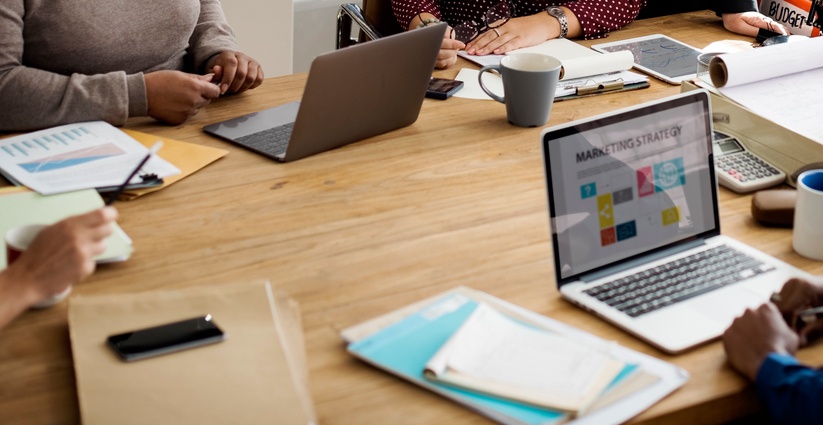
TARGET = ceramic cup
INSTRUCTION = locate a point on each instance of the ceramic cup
(807, 237)
(529, 83)
(17, 241)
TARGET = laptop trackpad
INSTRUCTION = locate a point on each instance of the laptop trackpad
(726, 304)
(256, 122)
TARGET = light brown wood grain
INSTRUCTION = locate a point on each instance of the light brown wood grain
(458, 198)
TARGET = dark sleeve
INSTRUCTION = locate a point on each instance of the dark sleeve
(791, 392)
(735, 6)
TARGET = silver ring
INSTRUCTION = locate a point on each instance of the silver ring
(496, 32)
(775, 298)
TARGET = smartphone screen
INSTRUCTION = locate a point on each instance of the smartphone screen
(166, 338)
(443, 88)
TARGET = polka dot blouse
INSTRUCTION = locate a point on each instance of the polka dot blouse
(597, 17)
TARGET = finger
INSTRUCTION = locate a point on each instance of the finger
(208, 91)
(260, 78)
(229, 71)
(240, 74)
(251, 76)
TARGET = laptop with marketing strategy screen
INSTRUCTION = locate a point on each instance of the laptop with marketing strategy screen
(634, 216)
(351, 94)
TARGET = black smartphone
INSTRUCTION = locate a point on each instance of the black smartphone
(168, 338)
(443, 88)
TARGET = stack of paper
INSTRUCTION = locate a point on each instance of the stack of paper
(499, 371)
(257, 375)
(76, 156)
(780, 83)
(21, 206)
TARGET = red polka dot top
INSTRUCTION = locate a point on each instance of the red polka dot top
(597, 17)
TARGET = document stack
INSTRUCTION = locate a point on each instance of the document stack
(770, 99)
(257, 375)
(512, 365)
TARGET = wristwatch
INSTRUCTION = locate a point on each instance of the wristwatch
(561, 18)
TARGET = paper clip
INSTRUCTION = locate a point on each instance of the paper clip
(603, 87)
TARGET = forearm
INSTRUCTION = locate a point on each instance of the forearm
(212, 35)
(791, 392)
(596, 19)
(34, 99)
(14, 300)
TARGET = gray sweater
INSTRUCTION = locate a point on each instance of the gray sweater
(79, 60)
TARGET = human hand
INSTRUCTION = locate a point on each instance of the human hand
(62, 254)
(796, 295)
(448, 51)
(236, 72)
(519, 32)
(749, 23)
(175, 96)
(755, 335)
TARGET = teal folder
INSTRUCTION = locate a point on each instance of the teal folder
(405, 347)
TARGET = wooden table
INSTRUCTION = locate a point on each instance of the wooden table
(458, 198)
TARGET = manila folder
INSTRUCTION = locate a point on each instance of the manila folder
(248, 378)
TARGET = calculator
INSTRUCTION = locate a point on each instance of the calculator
(740, 170)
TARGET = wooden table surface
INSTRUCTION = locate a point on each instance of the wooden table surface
(458, 198)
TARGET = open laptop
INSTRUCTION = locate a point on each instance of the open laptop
(635, 224)
(351, 94)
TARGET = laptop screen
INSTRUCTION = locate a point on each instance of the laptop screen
(630, 183)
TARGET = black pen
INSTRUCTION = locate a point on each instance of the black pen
(113, 197)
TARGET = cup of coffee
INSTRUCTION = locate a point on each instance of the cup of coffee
(17, 241)
(529, 83)
(807, 236)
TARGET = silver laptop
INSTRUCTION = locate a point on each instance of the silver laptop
(351, 94)
(635, 225)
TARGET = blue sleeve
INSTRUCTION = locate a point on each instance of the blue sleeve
(792, 393)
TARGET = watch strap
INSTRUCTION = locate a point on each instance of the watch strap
(560, 15)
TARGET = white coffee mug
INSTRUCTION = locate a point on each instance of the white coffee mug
(808, 215)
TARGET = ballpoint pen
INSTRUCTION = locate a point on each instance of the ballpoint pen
(116, 193)
(808, 316)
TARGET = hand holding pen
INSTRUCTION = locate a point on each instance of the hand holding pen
(114, 195)
(801, 303)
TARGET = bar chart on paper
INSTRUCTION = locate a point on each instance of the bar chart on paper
(67, 148)
(75, 156)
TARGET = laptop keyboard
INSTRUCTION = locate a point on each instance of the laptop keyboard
(272, 141)
(679, 280)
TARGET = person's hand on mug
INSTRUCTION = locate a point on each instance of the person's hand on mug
(236, 72)
(175, 96)
(756, 334)
(749, 23)
(62, 254)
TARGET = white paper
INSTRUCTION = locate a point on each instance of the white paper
(577, 60)
(76, 156)
(492, 347)
(471, 87)
(781, 83)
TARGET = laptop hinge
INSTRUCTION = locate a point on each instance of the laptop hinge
(640, 261)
